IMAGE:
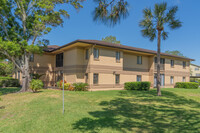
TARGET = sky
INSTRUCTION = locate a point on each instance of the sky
(80, 25)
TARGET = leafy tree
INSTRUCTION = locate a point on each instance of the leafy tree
(110, 12)
(24, 22)
(175, 52)
(111, 39)
(6, 68)
(154, 23)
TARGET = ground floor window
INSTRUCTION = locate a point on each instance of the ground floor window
(139, 78)
(172, 79)
(162, 80)
(86, 78)
(183, 79)
(18, 75)
(95, 78)
(117, 79)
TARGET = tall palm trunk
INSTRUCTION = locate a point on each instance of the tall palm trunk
(25, 74)
(158, 64)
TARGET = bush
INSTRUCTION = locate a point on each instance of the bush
(137, 85)
(80, 86)
(9, 82)
(36, 84)
(187, 85)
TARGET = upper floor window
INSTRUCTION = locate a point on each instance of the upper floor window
(59, 60)
(184, 64)
(172, 63)
(117, 77)
(96, 53)
(118, 55)
(86, 54)
(31, 58)
(139, 78)
(196, 69)
(139, 59)
(162, 60)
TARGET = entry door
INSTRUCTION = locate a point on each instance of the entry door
(162, 80)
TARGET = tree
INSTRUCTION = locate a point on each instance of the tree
(174, 52)
(154, 23)
(111, 39)
(22, 25)
(24, 22)
(110, 12)
(6, 68)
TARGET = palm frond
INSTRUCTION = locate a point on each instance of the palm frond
(164, 35)
(149, 33)
(160, 9)
(174, 24)
(171, 14)
(110, 12)
(147, 13)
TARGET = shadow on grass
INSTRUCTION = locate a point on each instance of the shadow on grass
(138, 112)
(8, 90)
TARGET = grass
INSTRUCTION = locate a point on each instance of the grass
(178, 110)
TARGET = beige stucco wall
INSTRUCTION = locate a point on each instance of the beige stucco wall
(75, 66)
(193, 71)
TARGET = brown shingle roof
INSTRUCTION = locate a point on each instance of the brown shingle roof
(51, 48)
(120, 46)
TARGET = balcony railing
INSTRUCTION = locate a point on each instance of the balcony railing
(162, 66)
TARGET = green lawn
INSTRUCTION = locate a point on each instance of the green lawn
(178, 110)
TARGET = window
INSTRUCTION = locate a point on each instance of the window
(172, 63)
(59, 60)
(117, 77)
(162, 60)
(184, 64)
(196, 69)
(86, 78)
(31, 58)
(197, 74)
(183, 79)
(95, 78)
(96, 53)
(86, 54)
(117, 56)
(18, 75)
(172, 80)
(139, 78)
(139, 59)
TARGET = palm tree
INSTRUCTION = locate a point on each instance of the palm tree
(153, 25)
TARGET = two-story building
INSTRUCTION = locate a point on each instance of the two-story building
(106, 65)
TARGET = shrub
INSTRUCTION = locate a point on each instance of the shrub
(137, 85)
(36, 84)
(80, 86)
(187, 85)
(9, 82)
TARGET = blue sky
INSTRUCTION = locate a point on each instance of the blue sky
(81, 26)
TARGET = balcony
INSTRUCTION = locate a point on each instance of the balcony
(162, 66)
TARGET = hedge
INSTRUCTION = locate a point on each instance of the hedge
(137, 85)
(9, 82)
(187, 85)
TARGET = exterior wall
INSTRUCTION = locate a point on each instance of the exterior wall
(44, 64)
(194, 71)
(75, 66)
(178, 72)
